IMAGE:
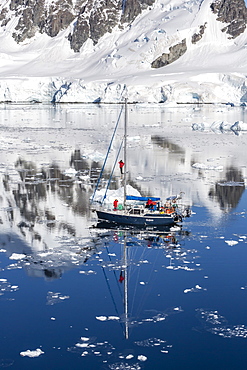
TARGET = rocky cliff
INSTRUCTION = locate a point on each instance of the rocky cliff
(87, 19)
(233, 13)
(92, 19)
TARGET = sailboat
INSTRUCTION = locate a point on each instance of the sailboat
(137, 211)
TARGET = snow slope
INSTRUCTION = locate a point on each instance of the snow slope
(213, 70)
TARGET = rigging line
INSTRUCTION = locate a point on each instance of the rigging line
(109, 181)
(112, 297)
(136, 284)
(144, 252)
(147, 291)
(107, 154)
(114, 272)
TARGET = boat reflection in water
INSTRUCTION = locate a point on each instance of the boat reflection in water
(131, 259)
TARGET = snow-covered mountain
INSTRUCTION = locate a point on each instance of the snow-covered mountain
(169, 51)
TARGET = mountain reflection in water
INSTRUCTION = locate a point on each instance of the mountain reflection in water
(186, 287)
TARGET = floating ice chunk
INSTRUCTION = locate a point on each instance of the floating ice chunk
(129, 357)
(95, 156)
(187, 290)
(35, 353)
(113, 318)
(142, 283)
(17, 256)
(85, 339)
(53, 298)
(89, 272)
(202, 166)
(175, 228)
(70, 172)
(231, 183)
(64, 297)
(197, 288)
(2, 250)
(142, 358)
(134, 138)
(53, 318)
(231, 242)
(27, 140)
(82, 345)
(101, 318)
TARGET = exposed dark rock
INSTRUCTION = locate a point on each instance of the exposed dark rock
(93, 22)
(176, 52)
(197, 36)
(131, 9)
(234, 13)
(4, 19)
(80, 34)
(104, 18)
(57, 18)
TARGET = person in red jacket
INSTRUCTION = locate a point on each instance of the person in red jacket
(115, 203)
(121, 164)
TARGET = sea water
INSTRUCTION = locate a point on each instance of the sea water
(75, 296)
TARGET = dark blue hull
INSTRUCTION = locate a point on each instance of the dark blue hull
(134, 220)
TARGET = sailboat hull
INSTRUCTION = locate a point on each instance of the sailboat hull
(137, 220)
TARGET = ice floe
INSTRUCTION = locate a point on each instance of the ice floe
(17, 256)
(195, 289)
(107, 318)
(89, 346)
(32, 353)
(231, 242)
(53, 298)
(5, 287)
(217, 324)
(142, 358)
(151, 342)
(89, 272)
(202, 166)
(124, 366)
(231, 183)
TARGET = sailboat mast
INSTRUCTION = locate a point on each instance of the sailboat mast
(126, 288)
(125, 151)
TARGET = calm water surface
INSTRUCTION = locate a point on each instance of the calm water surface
(79, 297)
